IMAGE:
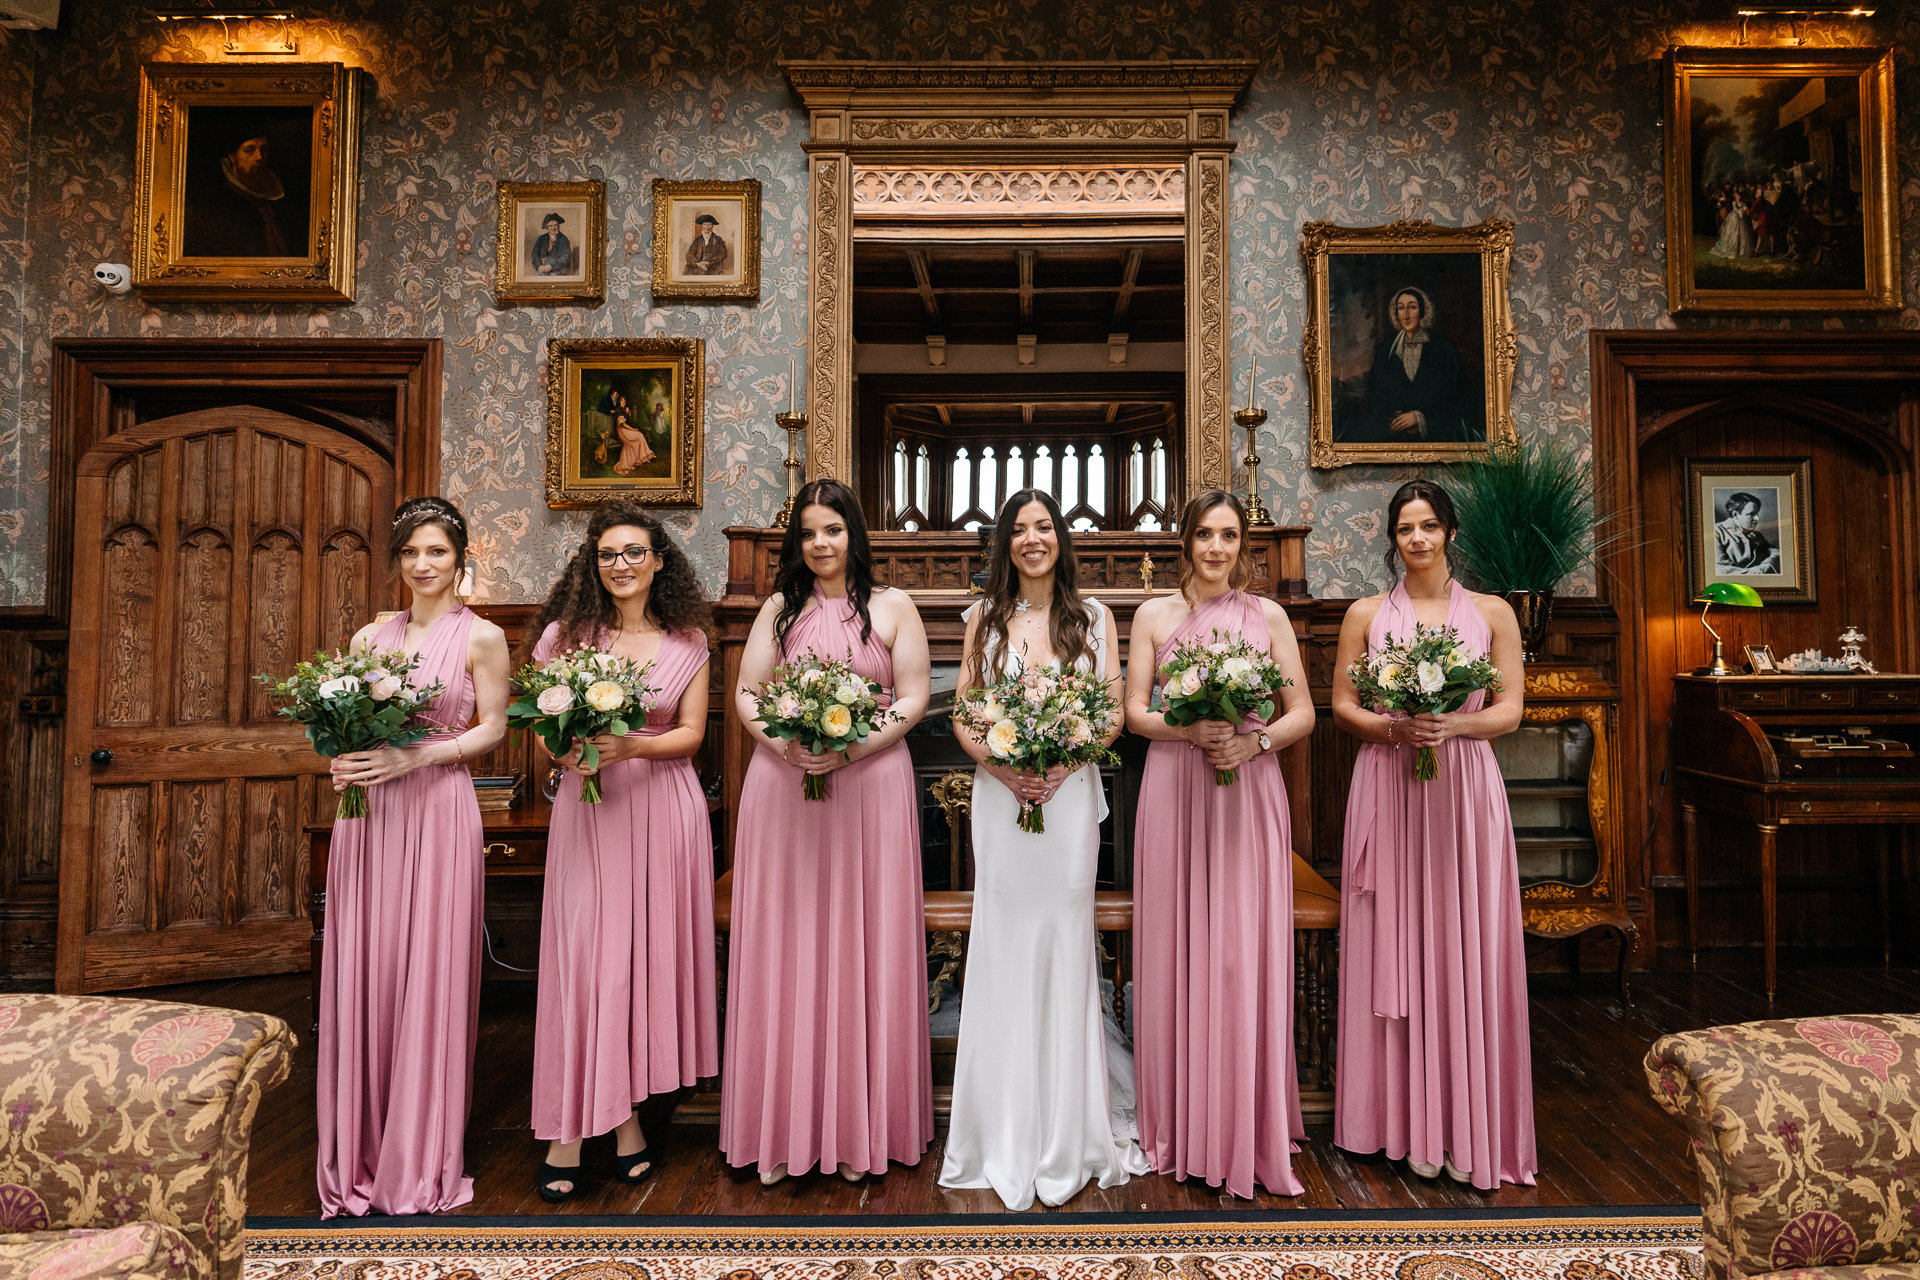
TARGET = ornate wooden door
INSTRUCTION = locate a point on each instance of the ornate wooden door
(207, 547)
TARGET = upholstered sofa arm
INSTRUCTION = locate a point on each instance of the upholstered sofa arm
(115, 1111)
(1803, 1133)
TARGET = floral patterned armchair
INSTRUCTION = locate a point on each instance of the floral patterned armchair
(1805, 1136)
(123, 1135)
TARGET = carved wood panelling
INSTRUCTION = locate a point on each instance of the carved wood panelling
(277, 630)
(198, 835)
(132, 569)
(888, 191)
(122, 840)
(1209, 439)
(275, 859)
(201, 657)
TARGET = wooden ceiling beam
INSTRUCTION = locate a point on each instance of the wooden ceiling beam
(1129, 278)
(946, 415)
(923, 283)
(1113, 411)
(1026, 257)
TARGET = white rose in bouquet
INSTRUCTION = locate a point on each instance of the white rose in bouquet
(339, 685)
(1003, 737)
(1429, 677)
(605, 695)
(1238, 670)
(554, 699)
(846, 695)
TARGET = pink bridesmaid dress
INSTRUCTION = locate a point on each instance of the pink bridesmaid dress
(1219, 1096)
(1434, 1055)
(400, 977)
(626, 1006)
(828, 1060)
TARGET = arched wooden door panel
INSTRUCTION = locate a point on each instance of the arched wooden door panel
(207, 547)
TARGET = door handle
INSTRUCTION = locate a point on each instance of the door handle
(101, 756)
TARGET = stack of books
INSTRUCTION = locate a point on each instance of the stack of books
(497, 793)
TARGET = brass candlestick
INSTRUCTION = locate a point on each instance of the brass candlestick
(793, 424)
(1252, 419)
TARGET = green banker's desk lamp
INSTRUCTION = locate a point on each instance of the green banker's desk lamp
(1738, 593)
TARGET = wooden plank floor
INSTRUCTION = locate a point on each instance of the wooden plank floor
(1602, 1139)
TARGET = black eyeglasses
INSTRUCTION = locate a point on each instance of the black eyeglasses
(632, 555)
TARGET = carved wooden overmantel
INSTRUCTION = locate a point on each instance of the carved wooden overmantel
(1141, 118)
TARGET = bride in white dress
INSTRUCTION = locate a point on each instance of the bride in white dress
(1043, 1083)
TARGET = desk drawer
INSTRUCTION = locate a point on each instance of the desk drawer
(1844, 809)
(1818, 697)
(523, 851)
(1908, 697)
(1773, 697)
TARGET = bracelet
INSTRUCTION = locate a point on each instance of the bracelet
(459, 753)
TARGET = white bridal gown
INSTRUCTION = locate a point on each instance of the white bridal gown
(1043, 1082)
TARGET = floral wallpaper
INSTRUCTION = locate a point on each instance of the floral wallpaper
(1545, 114)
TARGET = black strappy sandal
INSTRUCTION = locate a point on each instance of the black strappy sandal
(626, 1165)
(552, 1173)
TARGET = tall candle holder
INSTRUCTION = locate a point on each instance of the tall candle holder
(793, 424)
(1252, 419)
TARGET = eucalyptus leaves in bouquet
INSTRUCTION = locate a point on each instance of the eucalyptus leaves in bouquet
(355, 701)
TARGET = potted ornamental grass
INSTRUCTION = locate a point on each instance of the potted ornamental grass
(1527, 520)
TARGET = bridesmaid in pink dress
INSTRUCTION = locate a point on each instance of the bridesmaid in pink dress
(626, 1005)
(400, 978)
(1219, 1096)
(1435, 1064)
(828, 1061)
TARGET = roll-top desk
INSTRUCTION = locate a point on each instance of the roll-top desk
(1788, 751)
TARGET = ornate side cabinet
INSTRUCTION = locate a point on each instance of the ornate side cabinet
(1562, 770)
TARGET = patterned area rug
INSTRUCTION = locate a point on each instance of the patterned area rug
(1375, 1248)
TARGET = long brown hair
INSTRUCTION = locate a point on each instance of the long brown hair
(1067, 627)
(1203, 502)
(583, 606)
(795, 580)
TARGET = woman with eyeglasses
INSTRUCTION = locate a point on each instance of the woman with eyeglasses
(626, 998)
(828, 1061)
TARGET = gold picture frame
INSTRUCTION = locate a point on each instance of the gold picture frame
(706, 241)
(1750, 521)
(535, 262)
(625, 419)
(1364, 406)
(246, 182)
(1801, 214)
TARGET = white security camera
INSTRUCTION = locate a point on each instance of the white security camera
(113, 276)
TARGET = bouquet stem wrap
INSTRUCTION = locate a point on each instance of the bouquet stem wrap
(1426, 765)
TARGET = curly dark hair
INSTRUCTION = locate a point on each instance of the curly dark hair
(433, 510)
(795, 580)
(582, 605)
(1069, 626)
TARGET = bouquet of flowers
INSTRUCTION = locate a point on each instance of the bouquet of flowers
(1433, 672)
(824, 703)
(581, 694)
(1040, 718)
(1223, 679)
(355, 701)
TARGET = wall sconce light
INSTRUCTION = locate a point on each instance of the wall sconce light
(1795, 12)
(282, 42)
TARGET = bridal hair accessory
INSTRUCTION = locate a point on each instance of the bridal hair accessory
(439, 506)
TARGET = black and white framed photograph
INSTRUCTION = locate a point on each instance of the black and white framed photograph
(1749, 521)
(1760, 660)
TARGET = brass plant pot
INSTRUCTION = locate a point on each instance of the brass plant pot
(1534, 610)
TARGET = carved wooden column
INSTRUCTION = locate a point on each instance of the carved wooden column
(830, 309)
(1209, 357)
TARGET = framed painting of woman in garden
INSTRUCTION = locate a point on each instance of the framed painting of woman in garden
(624, 420)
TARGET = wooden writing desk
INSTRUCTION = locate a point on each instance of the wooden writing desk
(1731, 742)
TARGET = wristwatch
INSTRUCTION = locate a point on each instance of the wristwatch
(1266, 743)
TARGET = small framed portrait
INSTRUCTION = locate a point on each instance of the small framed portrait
(247, 182)
(1409, 343)
(1760, 660)
(624, 421)
(1780, 174)
(1749, 520)
(706, 241)
(553, 243)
